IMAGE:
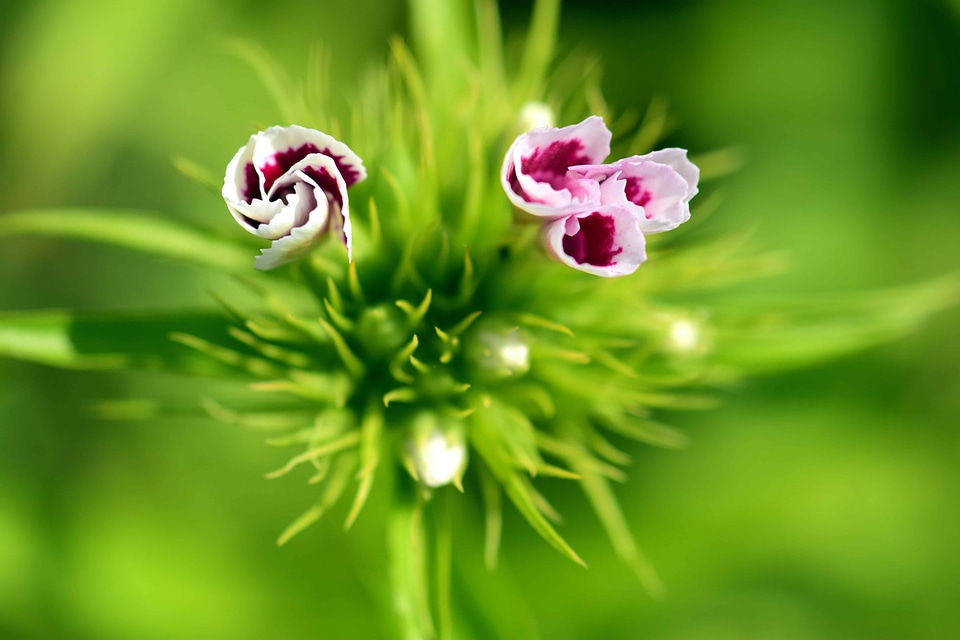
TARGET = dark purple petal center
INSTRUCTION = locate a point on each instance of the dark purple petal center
(347, 171)
(251, 188)
(515, 185)
(326, 182)
(593, 243)
(549, 164)
(636, 193)
(280, 162)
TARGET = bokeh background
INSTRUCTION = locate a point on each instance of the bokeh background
(817, 504)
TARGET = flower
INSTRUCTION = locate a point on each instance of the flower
(657, 186)
(437, 452)
(605, 241)
(597, 214)
(536, 176)
(289, 185)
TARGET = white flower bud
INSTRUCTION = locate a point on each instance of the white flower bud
(686, 335)
(437, 453)
(534, 115)
(500, 352)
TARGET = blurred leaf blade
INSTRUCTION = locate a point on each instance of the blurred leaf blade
(811, 331)
(132, 230)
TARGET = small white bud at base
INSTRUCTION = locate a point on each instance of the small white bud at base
(535, 115)
(436, 450)
(500, 352)
(439, 460)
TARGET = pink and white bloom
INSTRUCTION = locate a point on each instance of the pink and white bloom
(289, 185)
(536, 172)
(657, 186)
(605, 241)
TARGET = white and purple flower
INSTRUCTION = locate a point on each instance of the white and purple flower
(289, 185)
(597, 214)
(536, 171)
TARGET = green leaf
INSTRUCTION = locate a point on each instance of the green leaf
(114, 341)
(339, 479)
(538, 51)
(804, 332)
(441, 38)
(371, 431)
(271, 75)
(407, 569)
(605, 504)
(135, 230)
(516, 485)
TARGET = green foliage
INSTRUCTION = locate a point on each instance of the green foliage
(444, 284)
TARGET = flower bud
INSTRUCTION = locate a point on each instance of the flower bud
(437, 450)
(498, 351)
(684, 335)
(535, 115)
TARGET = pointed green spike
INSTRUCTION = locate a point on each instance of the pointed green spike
(419, 365)
(286, 356)
(543, 323)
(401, 394)
(468, 284)
(342, 322)
(257, 366)
(402, 357)
(376, 232)
(370, 442)
(353, 364)
(464, 324)
(198, 174)
(346, 441)
(333, 295)
(339, 478)
(353, 281)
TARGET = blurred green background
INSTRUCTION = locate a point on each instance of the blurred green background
(819, 504)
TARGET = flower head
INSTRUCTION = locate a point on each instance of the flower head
(597, 213)
(536, 171)
(289, 185)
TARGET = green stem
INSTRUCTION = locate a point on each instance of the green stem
(407, 560)
(443, 559)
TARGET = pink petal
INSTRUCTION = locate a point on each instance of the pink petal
(535, 173)
(677, 159)
(605, 242)
(656, 192)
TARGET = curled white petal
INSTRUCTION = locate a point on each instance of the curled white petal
(289, 185)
